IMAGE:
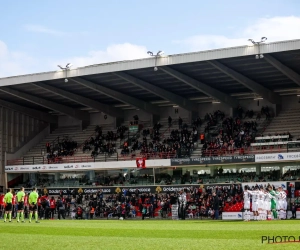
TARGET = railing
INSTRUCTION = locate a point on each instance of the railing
(52, 144)
(154, 155)
(242, 151)
(34, 160)
(135, 135)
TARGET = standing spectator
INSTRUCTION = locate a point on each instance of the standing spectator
(294, 209)
(136, 119)
(144, 211)
(180, 122)
(60, 208)
(170, 121)
(52, 207)
(215, 204)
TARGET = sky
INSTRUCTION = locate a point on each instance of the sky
(36, 36)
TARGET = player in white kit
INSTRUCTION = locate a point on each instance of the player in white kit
(261, 208)
(282, 203)
(277, 194)
(246, 204)
(255, 195)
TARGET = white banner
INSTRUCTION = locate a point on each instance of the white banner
(232, 216)
(50, 167)
(282, 184)
(277, 157)
(240, 215)
(85, 166)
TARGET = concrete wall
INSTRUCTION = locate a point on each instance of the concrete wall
(15, 130)
(99, 119)
(143, 116)
(165, 112)
(256, 106)
(205, 108)
(66, 121)
(290, 102)
(30, 144)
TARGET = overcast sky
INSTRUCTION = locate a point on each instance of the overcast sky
(37, 35)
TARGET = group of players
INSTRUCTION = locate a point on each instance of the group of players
(20, 199)
(267, 204)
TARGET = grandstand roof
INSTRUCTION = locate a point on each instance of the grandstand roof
(226, 75)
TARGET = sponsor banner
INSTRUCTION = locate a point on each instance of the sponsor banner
(114, 190)
(277, 184)
(240, 215)
(232, 216)
(294, 156)
(132, 189)
(50, 167)
(213, 160)
(85, 166)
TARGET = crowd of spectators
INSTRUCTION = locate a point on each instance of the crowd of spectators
(291, 175)
(201, 202)
(100, 143)
(232, 133)
(61, 148)
(168, 144)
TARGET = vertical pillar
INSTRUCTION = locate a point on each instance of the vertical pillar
(281, 170)
(258, 169)
(22, 128)
(194, 115)
(212, 171)
(92, 175)
(56, 177)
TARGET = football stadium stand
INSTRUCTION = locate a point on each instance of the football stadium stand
(205, 105)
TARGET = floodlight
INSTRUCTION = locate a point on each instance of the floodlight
(159, 53)
(251, 40)
(263, 39)
(150, 53)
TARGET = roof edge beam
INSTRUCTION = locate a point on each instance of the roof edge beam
(267, 94)
(77, 114)
(202, 87)
(39, 115)
(165, 94)
(107, 109)
(147, 107)
(295, 77)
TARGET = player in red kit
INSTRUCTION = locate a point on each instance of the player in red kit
(26, 209)
(52, 207)
(39, 205)
(14, 202)
(1, 205)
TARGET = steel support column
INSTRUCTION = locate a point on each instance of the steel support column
(204, 88)
(165, 94)
(77, 114)
(146, 106)
(107, 109)
(247, 82)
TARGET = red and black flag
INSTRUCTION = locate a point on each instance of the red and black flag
(140, 162)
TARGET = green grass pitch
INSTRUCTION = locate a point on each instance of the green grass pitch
(147, 234)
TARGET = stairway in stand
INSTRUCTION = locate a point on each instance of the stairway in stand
(286, 121)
